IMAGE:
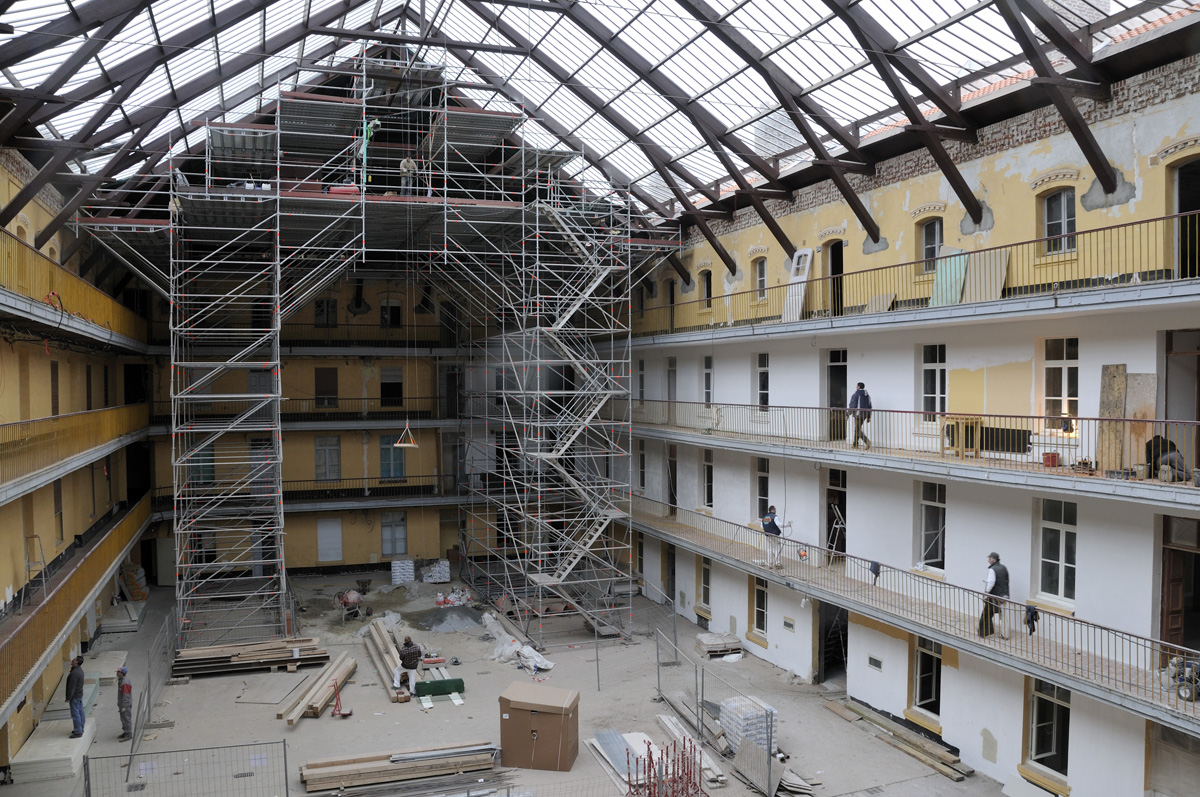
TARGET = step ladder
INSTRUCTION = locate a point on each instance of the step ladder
(35, 568)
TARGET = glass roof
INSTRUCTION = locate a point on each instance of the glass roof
(667, 94)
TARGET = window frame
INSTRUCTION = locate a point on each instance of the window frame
(706, 379)
(323, 446)
(759, 269)
(641, 451)
(325, 313)
(759, 608)
(929, 252)
(385, 525)
(1045, 696)
(927, 668)
(929, 505)
(935, 368)
(762, 380)
(762, 481)
(704, 587)
(1058, 225)
(386, 447)
(706, 289)
(706, 477)
(1067, 544)
(641, 381)
(386, 400)
(1066, 367)
(323, 400)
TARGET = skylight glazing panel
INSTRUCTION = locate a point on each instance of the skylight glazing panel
(600, 137)
(284, 14)
(532, 24)
(737, 100)
(704, 166)
(771, 22)
(221, 5)
(903, 19)
(811, 60)
(854, 97)
(676, 134)
(567, 109)
(28, 15)
(630, 160)
(153, 91)
(191, 65)
(569, 46)
(463, 24)
(655, 36)
(132, 41)
(171, 18)
(359, 17)
(241, 38)
(643, 105)
(502, 64)
(33, 71)
(615, 14)
(704, 64)
(605, 76)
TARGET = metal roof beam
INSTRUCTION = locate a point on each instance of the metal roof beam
(395, 38)
(95, 257)
(1063, 39)
(1059, 94)
(699, 116)
(83, 17)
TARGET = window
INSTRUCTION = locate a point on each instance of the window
(641, 446)
(59, 532)
(933, 525)
(325, 388)
(391, 315)
(931, 243)
(391, 387)
(707, 386)
(760, 277)
(1049, 726)
(639, 301)
(641, 381)
(87, 387)
(54, 387)
(105, 389)
(640, 552)
(1058, 216)
(327, 456)
(933, 381)
(763, 381)
(759, 621)
(325, 313)
(1057, 571)
(329, 539)
(706, 473)
(201, 468)
(394, 533)
(704, 593)
(1061, 370)
(763, 484)
(927, 676)
(261, 458)
(706, 289)
(391, 459)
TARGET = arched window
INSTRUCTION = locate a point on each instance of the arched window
(930, 241)
(1058, 220)
(706, 288)
(760, 277)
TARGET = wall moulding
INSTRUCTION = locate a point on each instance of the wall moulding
(758, 250)
(1175, 147)
(829, 232)
(928, 207)
(1053, 177)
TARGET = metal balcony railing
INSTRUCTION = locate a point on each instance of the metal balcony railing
(1102, 448)
(69, 591)
(330, 408)
(1118, 667)
(342, 489)
(26, 271)
(27, 447)
(1140, 252)
(418, 336)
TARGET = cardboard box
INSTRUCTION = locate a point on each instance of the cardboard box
(539, 727)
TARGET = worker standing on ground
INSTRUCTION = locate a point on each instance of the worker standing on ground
(410, 660)
(125, 703)
(770, 527)
(75, 696)
(860, 408)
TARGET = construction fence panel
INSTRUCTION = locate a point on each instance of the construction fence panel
(159, 659)
(646, 617)
(252, 770)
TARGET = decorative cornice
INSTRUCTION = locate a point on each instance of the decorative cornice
(928, 207)
(829, 232)
(758, 250)
(1053, 177)
(703, 263)
(1178, 146)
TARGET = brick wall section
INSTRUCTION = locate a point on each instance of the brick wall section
(1153, 87)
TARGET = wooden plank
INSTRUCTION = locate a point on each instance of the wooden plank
(387, 754)
(896, 729)
(294, 698)
(1110, 448)
(842, 711)
(323, 677)
(920, 755)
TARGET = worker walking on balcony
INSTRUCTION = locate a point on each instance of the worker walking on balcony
(75, 696)
(996, 587)
(125, 703)
(860, 408)
(774, 535)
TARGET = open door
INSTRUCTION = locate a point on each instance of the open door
(1187, 198)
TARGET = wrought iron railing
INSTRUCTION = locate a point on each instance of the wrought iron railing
(342, 489)
(1105, 448)
(26, 271)
(1139, 252)
(419, 336)
(29, 446)
(331, 408)
(1128, 667)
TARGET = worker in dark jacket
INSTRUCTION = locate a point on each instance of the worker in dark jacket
(75, 696)
(410, 660)
(996, 587)
(860, 408)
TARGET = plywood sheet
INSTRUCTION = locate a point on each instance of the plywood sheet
(270, 688)
(965, 390)
(1141, 404)
(1110, 448)
(880, 302)
(948, 280)
(986, 275)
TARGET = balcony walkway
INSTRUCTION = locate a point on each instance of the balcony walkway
(1110, 666)
(1103, 456)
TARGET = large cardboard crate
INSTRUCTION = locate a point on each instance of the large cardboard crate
(539, 727)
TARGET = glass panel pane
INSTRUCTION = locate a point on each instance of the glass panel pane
(1054, 382)
(1052, 510)
(1050, 543)
(1072, 344)
(1054, 349)
(1050, 578)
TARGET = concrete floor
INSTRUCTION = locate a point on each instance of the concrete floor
(845, 759)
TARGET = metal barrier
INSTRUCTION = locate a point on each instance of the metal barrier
(27, 447)
(703, 699)
(250, 770)
(26, 271)
(1130, 668)
(1121, 449)
(1137, 252)
(41, 625)
(159, 658)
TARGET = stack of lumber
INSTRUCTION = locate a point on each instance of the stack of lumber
(381, 647)
(133, 582)
(906, 741)
(125, 616)
(709, 771)
(290, 652)
(713, 645)
(312, 702)
(50, 753)
(344, 772)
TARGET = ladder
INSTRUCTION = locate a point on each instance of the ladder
(35, 567)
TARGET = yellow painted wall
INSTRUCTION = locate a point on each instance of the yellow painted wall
(361, 542)
(1003, 389)
(36, 214)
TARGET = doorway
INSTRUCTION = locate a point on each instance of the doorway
(669, 291)
(835, 510)
(451, 379)
(834, 269)
(831, 645)
(1182, 391)
(669, 571)
(1180, 577)
(672, 387)
(1187, 199)
(672, 480)
(836, 393)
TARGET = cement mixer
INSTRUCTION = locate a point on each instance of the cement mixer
(351, 602)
